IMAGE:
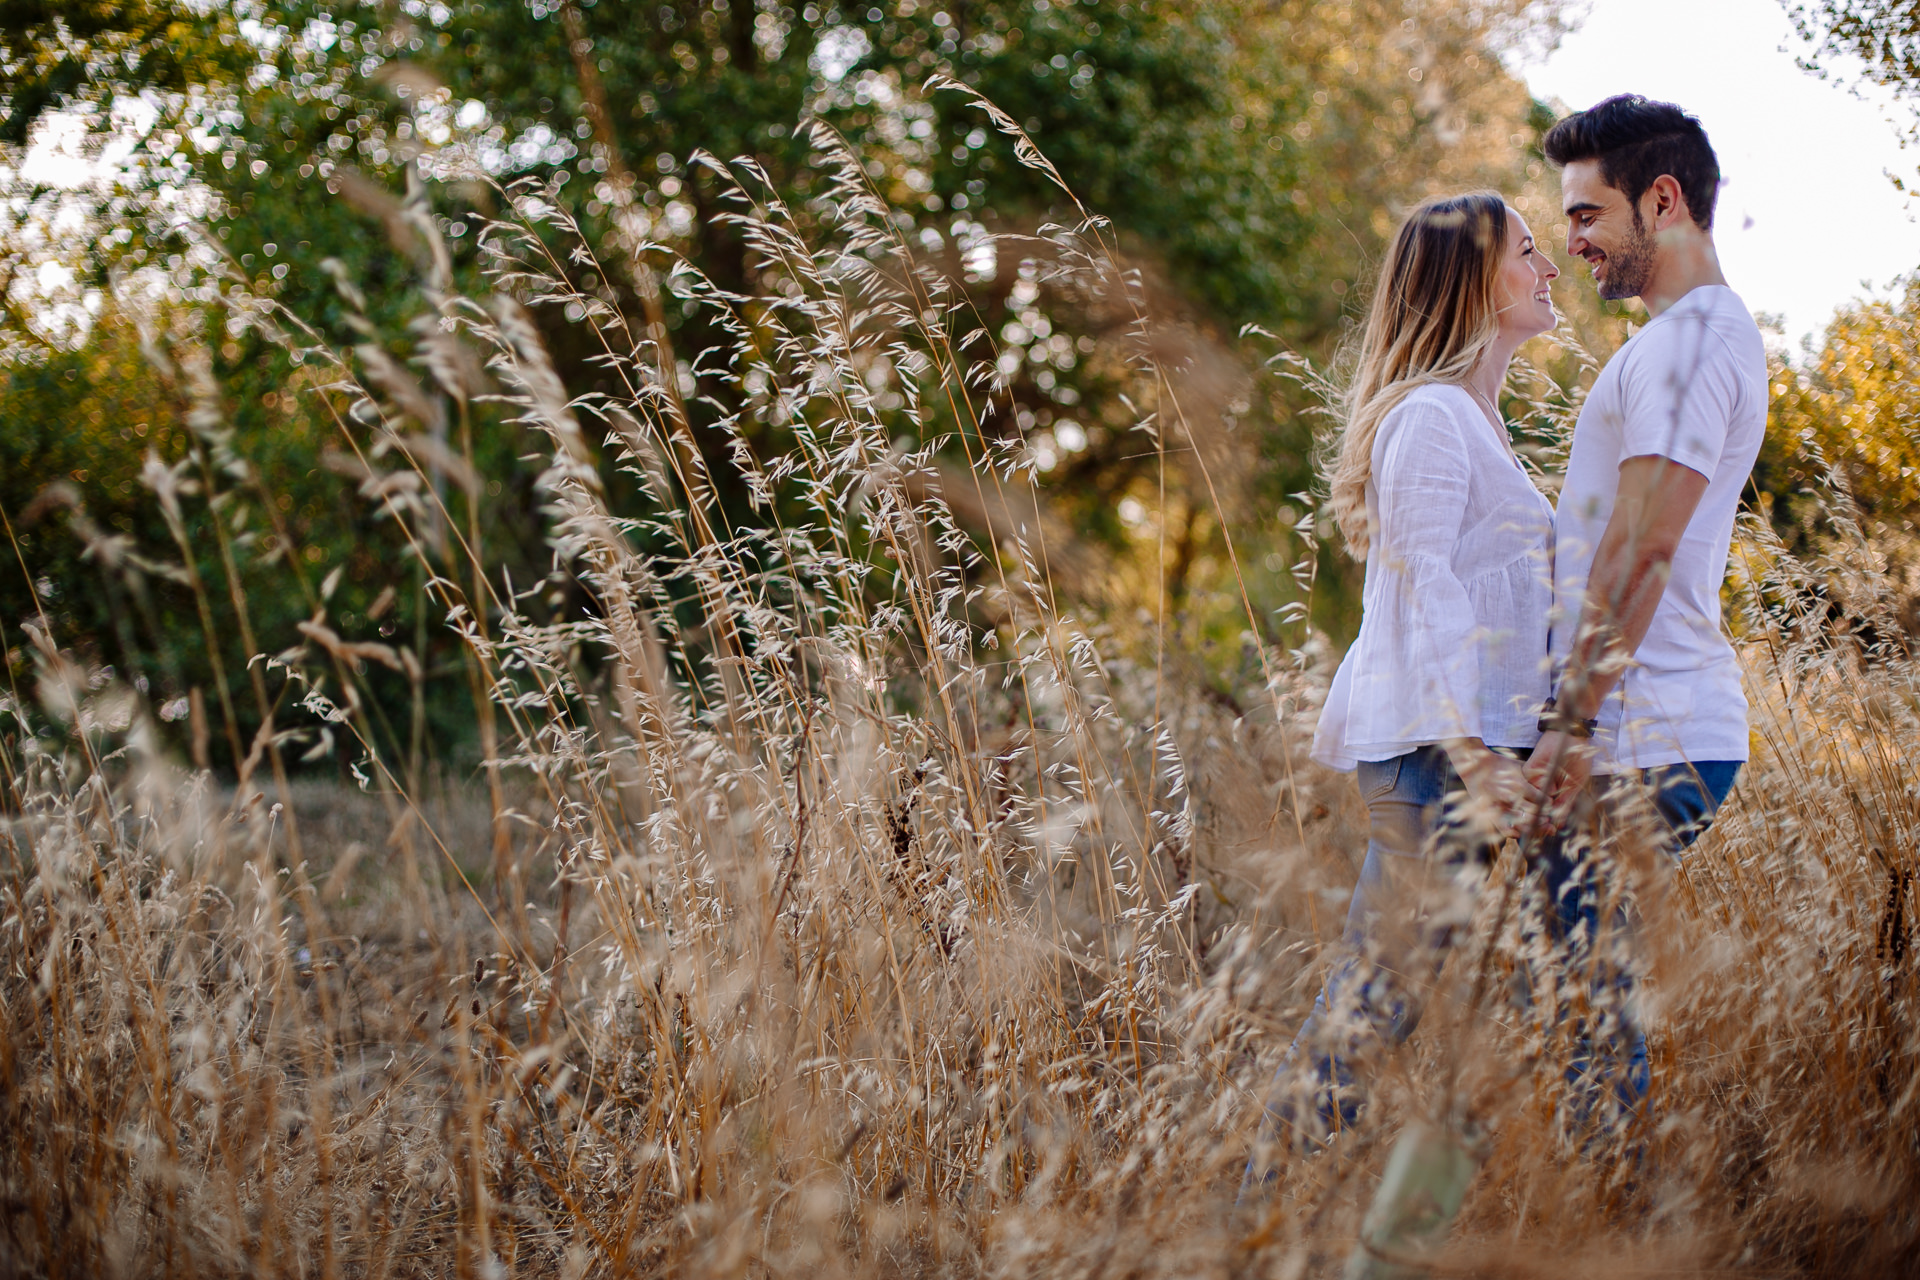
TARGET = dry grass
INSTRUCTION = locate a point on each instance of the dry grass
(886, 919)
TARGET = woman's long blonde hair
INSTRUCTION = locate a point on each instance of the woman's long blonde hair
(1435, 312)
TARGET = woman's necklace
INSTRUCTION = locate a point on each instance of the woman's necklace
(1493, 414)
(1499, 423)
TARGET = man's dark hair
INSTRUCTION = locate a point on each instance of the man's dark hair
(1636, 140)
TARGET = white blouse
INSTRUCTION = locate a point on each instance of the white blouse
(1453, 628)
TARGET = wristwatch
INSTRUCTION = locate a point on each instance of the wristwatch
(1552, 721)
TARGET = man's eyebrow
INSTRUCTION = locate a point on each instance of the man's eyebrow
(1586, 206)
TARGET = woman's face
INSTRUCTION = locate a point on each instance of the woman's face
(1526, 308)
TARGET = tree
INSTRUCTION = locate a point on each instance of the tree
(1882, 34)
(1249, 155)
(1852, 414)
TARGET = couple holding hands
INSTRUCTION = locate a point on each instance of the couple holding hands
(1525, 667)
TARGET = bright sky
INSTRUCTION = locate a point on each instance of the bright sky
(1807, 213)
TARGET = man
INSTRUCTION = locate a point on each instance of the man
(1647, 688)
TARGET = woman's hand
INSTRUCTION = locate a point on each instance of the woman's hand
(1499, 790)
(1561, 764)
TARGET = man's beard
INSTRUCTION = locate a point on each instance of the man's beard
(1630, 266)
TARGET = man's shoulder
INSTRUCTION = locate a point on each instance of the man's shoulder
(1707, 323)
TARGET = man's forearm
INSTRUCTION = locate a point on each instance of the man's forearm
(1623, 593)
(1657, 498)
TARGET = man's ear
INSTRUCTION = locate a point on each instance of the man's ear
(1665, 203)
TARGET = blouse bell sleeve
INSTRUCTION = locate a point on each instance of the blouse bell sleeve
(1417, 678)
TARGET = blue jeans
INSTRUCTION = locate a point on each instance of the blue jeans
(1577, 894)
(1415, 895)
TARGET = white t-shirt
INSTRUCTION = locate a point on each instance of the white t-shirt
(1453, 628)
(1691, 386)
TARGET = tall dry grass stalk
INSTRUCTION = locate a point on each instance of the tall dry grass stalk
(854, 910)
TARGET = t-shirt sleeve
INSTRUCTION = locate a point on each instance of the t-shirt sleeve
(1679, 393)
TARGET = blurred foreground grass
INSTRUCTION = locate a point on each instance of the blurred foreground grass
(834, 898)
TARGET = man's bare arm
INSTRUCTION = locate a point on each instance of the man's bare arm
(1657, 497)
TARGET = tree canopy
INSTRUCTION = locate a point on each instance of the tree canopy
(1854, 408)
(1249, 157)
(1882, 34)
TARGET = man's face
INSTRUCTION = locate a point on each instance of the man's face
(1605, 230)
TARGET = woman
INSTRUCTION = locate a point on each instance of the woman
(1449, 668)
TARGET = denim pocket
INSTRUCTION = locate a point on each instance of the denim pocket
(1378, 777)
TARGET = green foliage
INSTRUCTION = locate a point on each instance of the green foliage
(77, 426)
(52, 53)
(269, 533)
(1853, 413)
(1883, 34)
(1246, 154)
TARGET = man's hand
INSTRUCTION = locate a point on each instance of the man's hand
(1651, 510)
(1559, 766)
(1499, 791)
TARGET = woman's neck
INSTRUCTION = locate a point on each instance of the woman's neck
(1490, 373)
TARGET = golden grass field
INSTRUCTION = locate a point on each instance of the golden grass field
(895, 918)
